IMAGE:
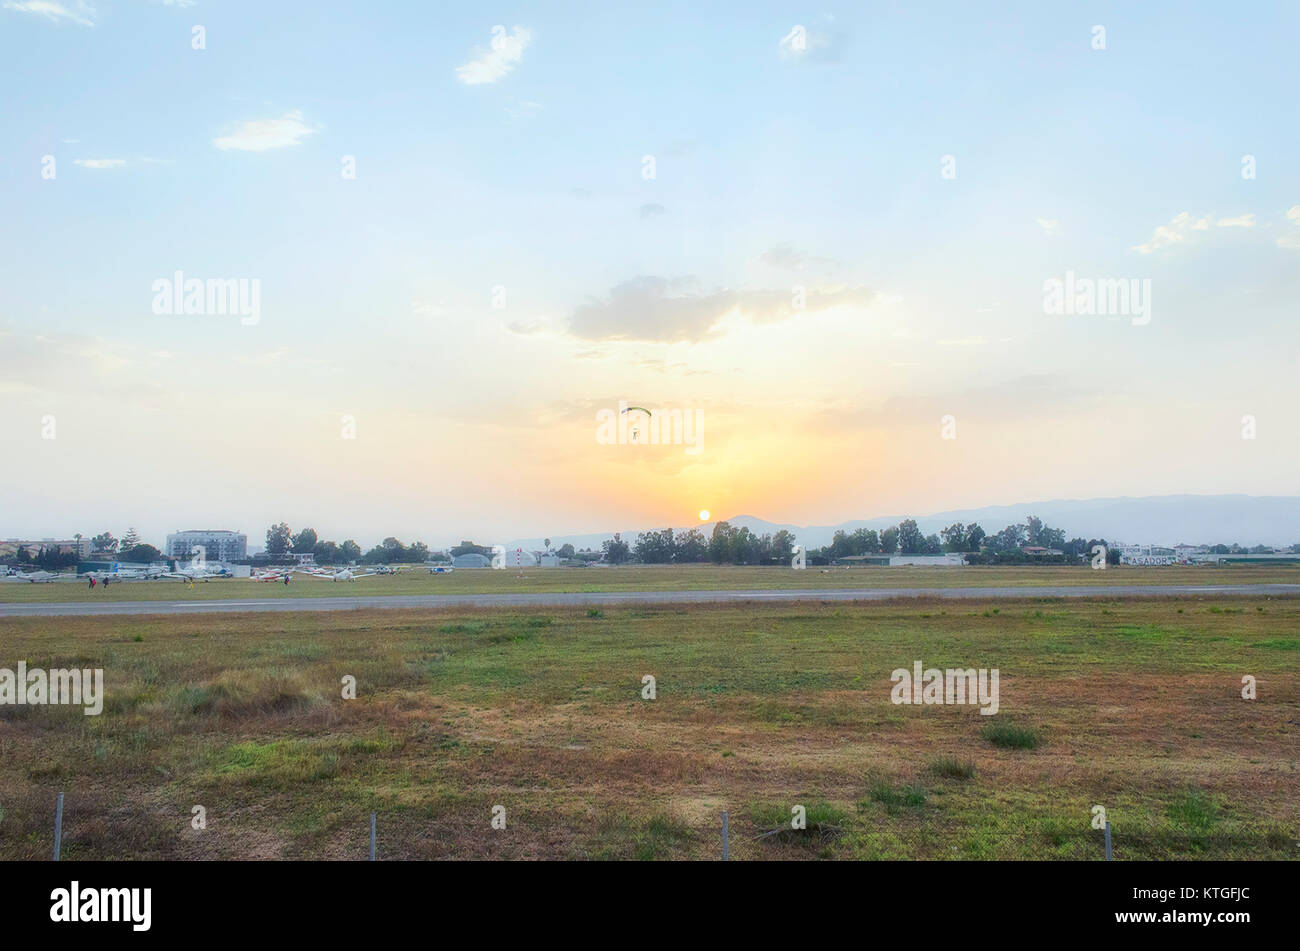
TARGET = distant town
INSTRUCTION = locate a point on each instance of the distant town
(958, 545)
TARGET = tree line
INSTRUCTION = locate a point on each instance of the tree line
(130, 548)
(282, 543)
(729, 544)
(726, 545)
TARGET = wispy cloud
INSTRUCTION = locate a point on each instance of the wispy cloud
(1173, 233)
(1291, 241)
(1241, 221)
(83, 14)
(1178, 230)
(787, 258)
(669, 310)
(497, 62)
(261, 135)
(99, 162)
(652, 209)
(1051, 227)
(527, 328)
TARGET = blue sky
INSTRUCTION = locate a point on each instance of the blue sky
(774, 167)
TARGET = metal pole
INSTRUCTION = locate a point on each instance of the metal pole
(1108, 858)
(372, 837)
(58, 826)
(725, 851)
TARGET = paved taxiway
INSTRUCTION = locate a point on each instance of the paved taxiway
(593, 599)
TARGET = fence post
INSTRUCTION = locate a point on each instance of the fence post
(58, 826)
(1108, 858)
(725, 850)
(372, 837)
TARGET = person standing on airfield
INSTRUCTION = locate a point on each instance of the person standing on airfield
(92, 582)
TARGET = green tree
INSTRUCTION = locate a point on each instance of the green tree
(910, 539)
(655, 548)
(720, 543)
(616, 550)
(305, 541)
(277, 539)
(144, 554)
(840, 545)
(744, 547)
(566, 550)
(349, 551)
(889, 540)
(104, 542)
(1011, 538)
(865, 541)
(691, 546)
(782, 549)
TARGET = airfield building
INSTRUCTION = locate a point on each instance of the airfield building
(10, 546)
(471, 560)
(217, 544)
(946, 560)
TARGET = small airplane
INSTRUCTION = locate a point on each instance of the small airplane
(342, 574)
(272, 574)
(196, 571)
(440, 569)
(384, 570)
(128, 574)
(33, 576)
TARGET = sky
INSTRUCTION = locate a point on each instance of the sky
(824, 234)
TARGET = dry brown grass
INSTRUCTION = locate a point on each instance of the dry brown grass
(759, 708)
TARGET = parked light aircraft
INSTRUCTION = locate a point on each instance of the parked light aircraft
(128, 574)
(341, 574)
(33, 576)
(196, 572)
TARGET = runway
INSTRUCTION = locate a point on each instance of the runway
(595, 599)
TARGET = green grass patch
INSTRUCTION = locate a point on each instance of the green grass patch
(950, 767)
(1010, 736)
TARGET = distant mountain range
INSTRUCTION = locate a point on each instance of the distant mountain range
(1157, 520)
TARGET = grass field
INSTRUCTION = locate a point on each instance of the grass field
(647, 578)
(1134, 705)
